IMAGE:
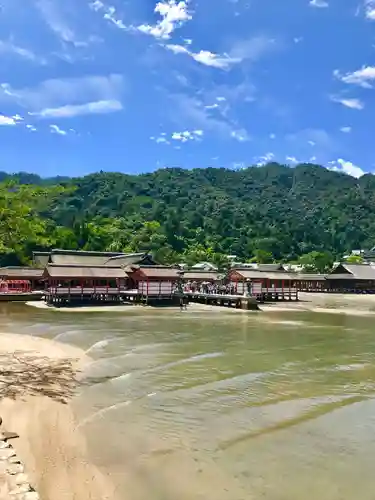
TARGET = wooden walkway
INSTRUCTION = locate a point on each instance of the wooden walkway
(65, 296)
(266, 295)
(237, 301)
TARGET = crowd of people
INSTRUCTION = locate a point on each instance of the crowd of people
(210, 288)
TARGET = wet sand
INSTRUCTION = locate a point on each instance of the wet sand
(51, 448)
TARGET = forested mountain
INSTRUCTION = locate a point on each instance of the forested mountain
(271, 212)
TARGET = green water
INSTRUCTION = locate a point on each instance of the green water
(223, 405)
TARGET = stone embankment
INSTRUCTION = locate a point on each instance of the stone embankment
(14, 483)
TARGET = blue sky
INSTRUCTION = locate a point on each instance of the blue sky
(136, 85)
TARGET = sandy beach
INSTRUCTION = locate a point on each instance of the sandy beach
(49, 445)
(349, 304)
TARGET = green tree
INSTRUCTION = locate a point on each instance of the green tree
(22, 230)
(354, 259)
(319, 262)
(262, 257)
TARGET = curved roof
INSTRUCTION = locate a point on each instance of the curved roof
(357, 271)
(98, 272)
(21, 272)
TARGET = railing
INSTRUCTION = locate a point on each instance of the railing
(155, 288)
(100, 290)
(264, 293)
(239, 291)
(285, 290)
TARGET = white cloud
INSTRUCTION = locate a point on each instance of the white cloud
(347, 167)
(238, 165)
(240, 135)
(292, 159)
(72, 110)
(57, 130)
(109, 13)
(186, 136)
(97, 5)
(346, 130)
(192, 111)
(10, 120)
(7, 120)
(251, 49)
(370, 9)
(160, 140)
(11, 48)
(205, 57)
(351, 103)
(216, 61)
(173, 14)
(261, 160)
(56, 93)
(321, 4)
(56, 20)
(31, 128)
(361, 77)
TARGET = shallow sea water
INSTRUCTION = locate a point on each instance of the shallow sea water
(191, 405)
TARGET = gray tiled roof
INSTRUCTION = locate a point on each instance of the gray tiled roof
(256, 274)
(99, 272)
(270, 267)
(41, 259)
(260, 267)
(201, 275)
(358, 271)
(124, 260)
(307, 277)
(156, 271)
(82, 258)
(20, 272)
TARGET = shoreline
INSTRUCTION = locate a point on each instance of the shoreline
(345, 304)
(353, 305)
(52, 450)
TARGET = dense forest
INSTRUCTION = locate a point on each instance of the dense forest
(265, 214)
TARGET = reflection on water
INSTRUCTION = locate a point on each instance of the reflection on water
(223, 406)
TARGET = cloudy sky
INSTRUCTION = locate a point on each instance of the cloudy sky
(136, 85)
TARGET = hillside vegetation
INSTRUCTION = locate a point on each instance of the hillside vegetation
(267, 213)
